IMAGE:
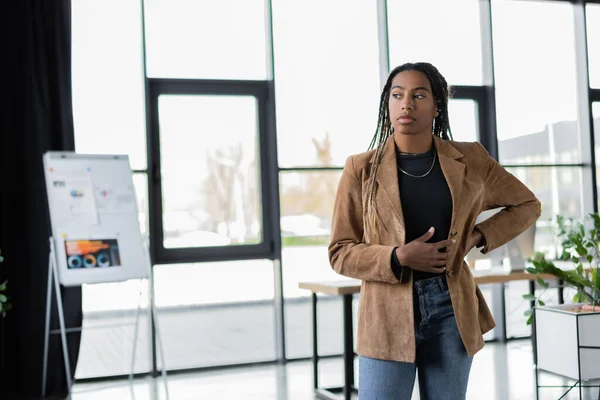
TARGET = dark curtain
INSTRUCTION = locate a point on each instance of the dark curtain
(35, 116)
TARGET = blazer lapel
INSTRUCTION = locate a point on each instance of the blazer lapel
(454, 171)
(387, 183)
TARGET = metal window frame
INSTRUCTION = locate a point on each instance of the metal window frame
(162, 255)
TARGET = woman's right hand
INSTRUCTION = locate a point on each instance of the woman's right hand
(422, 256)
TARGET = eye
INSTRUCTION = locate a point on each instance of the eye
(396, 95)
(419, 96)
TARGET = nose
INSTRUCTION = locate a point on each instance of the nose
(407, 103)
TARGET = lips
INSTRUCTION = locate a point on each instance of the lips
(405, 119)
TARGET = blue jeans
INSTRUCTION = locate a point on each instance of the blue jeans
(442, 362)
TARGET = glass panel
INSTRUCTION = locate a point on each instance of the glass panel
(593, 39)
(306, 210)
(108, 79)
(328, 87)
(536, 91)
(109, 313)
(219, 203)
(216, 313)
(306, 200)
(464, 120)
(437, 32)
(206, 39)
(559, 191)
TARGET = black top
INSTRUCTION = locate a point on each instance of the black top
(426, 202)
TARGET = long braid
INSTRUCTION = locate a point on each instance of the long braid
(441, 126)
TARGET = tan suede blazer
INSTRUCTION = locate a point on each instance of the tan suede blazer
(477, 183)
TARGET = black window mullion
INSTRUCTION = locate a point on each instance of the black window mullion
(486, 113)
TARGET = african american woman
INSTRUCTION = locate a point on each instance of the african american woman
(404, 218)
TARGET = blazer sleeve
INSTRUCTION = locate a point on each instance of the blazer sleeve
(348, 254)
(502, 189)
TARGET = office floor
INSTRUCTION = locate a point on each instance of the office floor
(500, 372)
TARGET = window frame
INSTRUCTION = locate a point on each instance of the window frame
(265, 249)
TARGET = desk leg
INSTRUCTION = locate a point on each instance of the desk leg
(348, 348)
(315, 355)
(499, 311)
(533, 341)
(561, 292)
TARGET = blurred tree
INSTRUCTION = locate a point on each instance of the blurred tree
(230, 192)
(313, 192)
(219, 191)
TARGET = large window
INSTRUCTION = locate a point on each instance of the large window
(439, 32)
(537, 105)
(206, 39)
(327, 88)
(593, 38)
(327, 93)
(209, 170)
(108, 80)
(536, 96)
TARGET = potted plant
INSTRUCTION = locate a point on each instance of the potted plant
(566, 337)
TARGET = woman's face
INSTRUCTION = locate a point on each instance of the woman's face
(412, 105)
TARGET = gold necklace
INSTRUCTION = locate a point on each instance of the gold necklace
(420, 176)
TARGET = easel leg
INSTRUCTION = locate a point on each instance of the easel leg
(159, 342)
(47, 325)
(136, 331)
(152, 315)
(61, 319)
(162, 354)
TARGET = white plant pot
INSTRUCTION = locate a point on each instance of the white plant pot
(568, 343)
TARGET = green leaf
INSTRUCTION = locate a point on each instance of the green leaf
(578, 298)
(541, 303)
(580, 269)
(589, 258)
(529, 320)
(532, 270)
(529, 296)
(1, 259)
(541, 282)
(3, 298)
(528, 312)
(3, 286)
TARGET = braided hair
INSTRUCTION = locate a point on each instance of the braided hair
(441, 124)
